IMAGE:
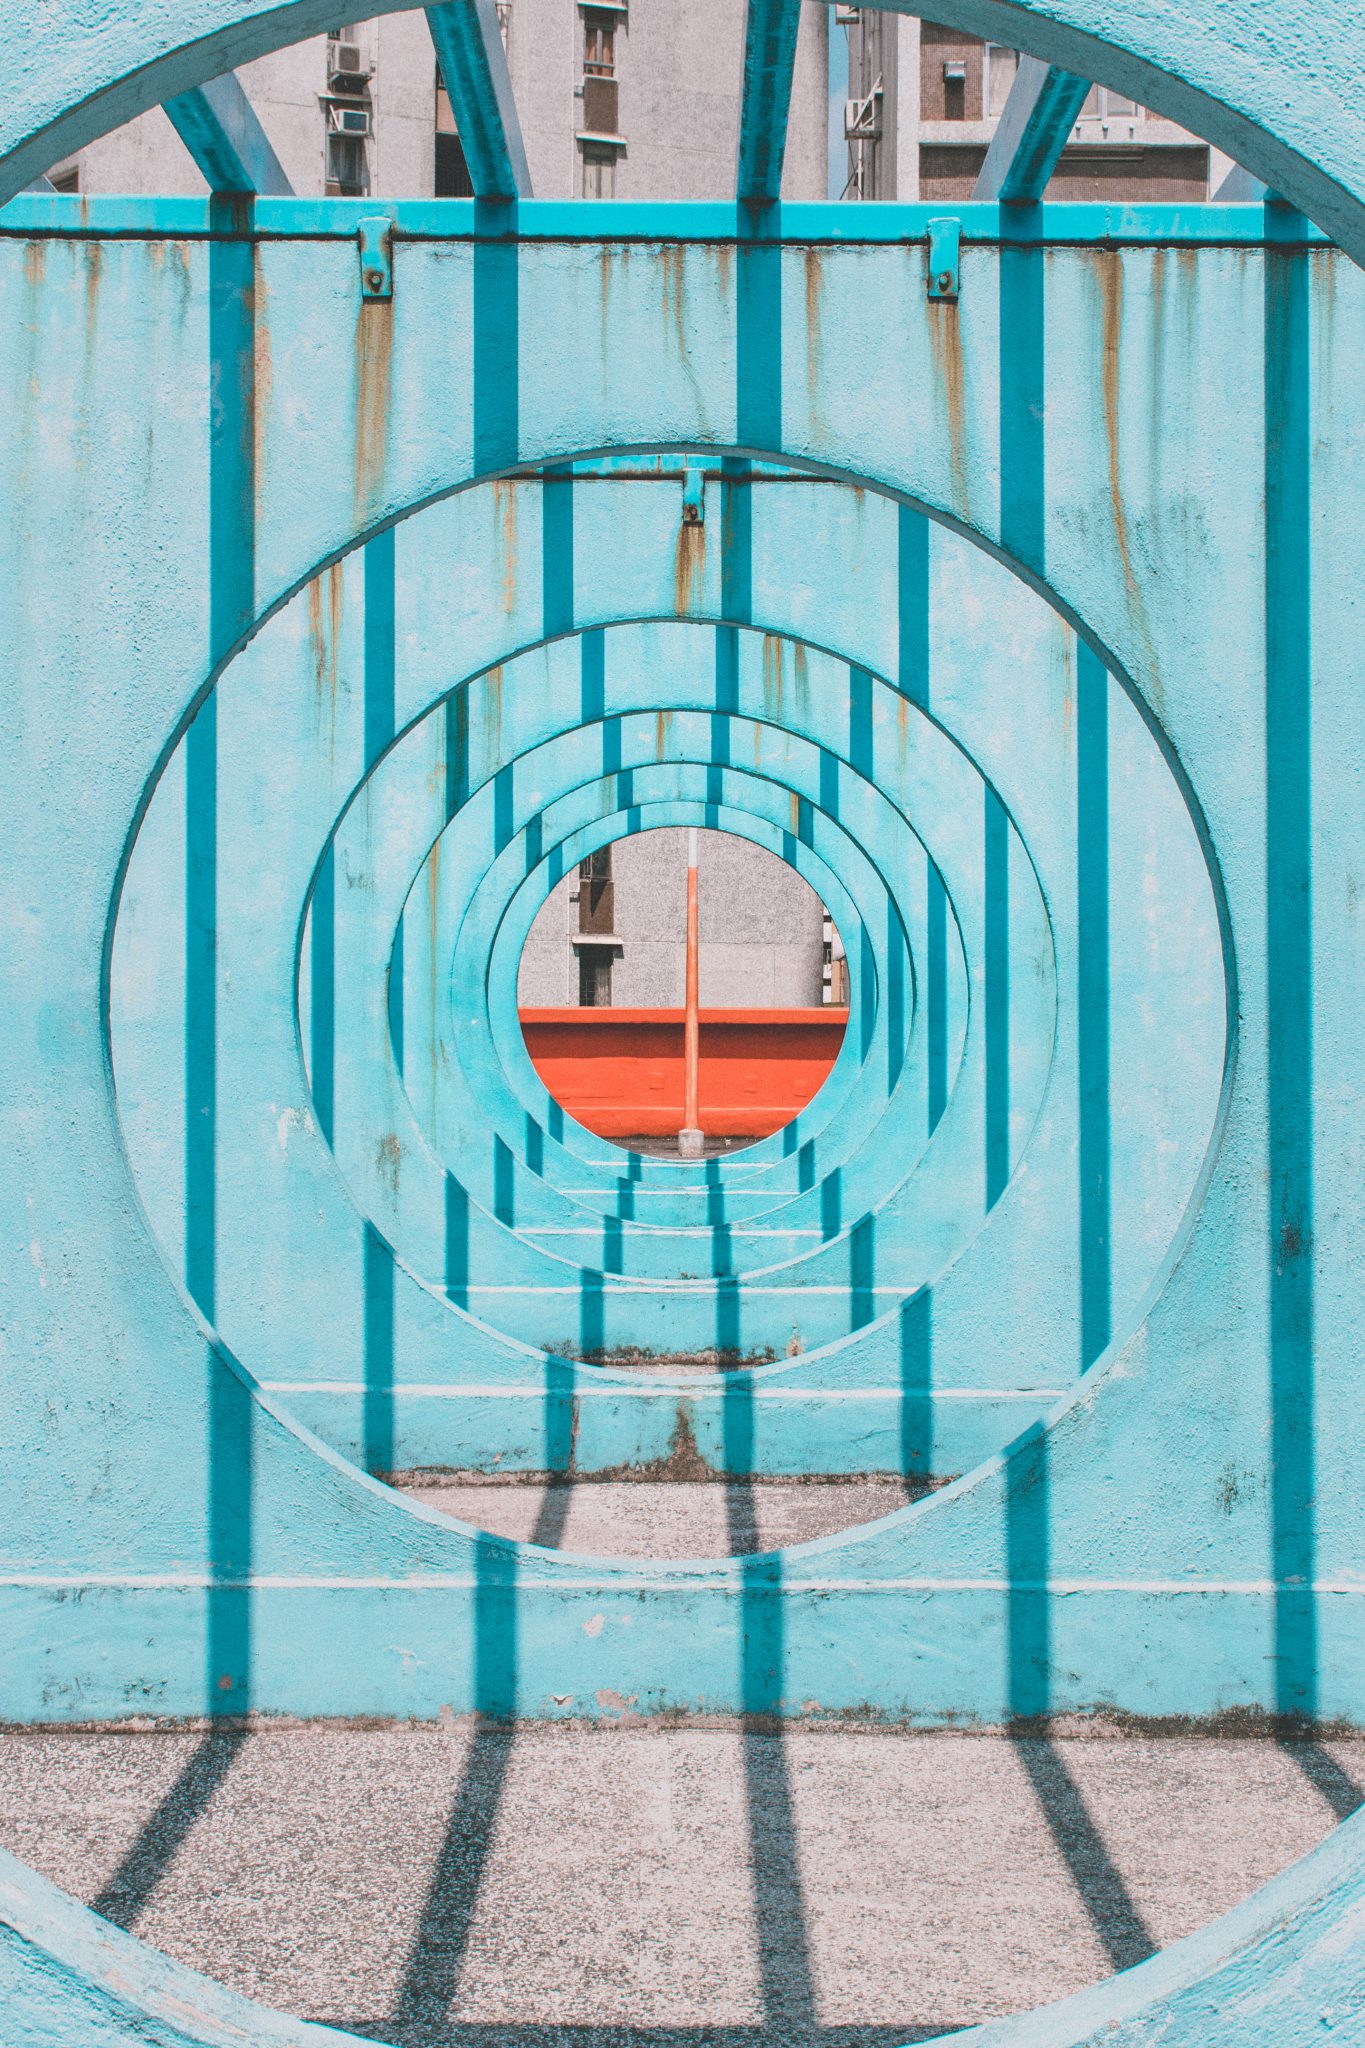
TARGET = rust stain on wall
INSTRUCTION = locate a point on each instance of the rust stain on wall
(262, 368)
(774, 677)
(373, 392)
(945, 346)
(689, 565)
(672, 259)
(92, 254)
(506, 507)
(801, 679)
(491, 696)
(325, 594)
(1108, 265)
(813, 266)
(389, 1159)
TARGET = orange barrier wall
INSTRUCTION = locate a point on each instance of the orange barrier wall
(620, 1072)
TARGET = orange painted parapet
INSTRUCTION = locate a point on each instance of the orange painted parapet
(621, 1072)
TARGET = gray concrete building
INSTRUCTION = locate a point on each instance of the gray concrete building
(923, 104)
(614, 933)
(626, 99)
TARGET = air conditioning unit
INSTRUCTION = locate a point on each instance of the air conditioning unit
(863, 118)
(847, 17)
(347, 66)
(351, 120)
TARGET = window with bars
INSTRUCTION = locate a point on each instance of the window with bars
(594, 977)
(348, 165)
(599, 173)
(599, 46)
(596, 893)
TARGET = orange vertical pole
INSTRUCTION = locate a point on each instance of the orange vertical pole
(690, 1137)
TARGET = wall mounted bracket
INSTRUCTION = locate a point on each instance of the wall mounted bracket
(945, 243)
(375, 236)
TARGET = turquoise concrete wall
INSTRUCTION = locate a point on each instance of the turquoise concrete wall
(202, 425)
(1098, 1223)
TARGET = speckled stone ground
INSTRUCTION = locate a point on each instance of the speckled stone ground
(643, 1518)
(641, 1887)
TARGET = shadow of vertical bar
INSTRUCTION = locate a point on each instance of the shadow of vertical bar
(431, 1974)
(556, 551)
(1092, 1000)
(1289, 976)
(231, 586)
(784, 1959)
(1118, 1924)
(1123, 1933)
(126, 1895)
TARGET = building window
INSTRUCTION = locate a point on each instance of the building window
(594, 977)
(955, 89)
(452, 172)
(1103, 105)
(599, 46)
(348, 166)
(596, 893)
(68, 180)
(599, 173)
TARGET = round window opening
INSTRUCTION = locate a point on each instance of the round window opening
(683, 992)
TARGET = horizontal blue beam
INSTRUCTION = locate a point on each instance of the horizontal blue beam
(218, 126)
(473, 63)
(1039, 114)
(1062, 223)
(770, 31)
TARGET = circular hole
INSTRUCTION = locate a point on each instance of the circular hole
(603, 980)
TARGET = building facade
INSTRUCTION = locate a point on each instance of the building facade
(616, 100)
(614, 932)
(923, 104)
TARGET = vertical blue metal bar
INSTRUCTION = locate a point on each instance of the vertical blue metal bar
(232, 581)
(1031, 133)
(473, 63)
(770, 33)
(1289, 974)
(1092, 1000)
(377, 1273)
(219, 127)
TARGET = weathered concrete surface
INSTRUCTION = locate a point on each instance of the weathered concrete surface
(652, 1518)
(573, 1885)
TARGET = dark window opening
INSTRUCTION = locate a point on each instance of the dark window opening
(348, 167)
(594, 977)
(599, 173)
(452, 172)
(596, 895)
